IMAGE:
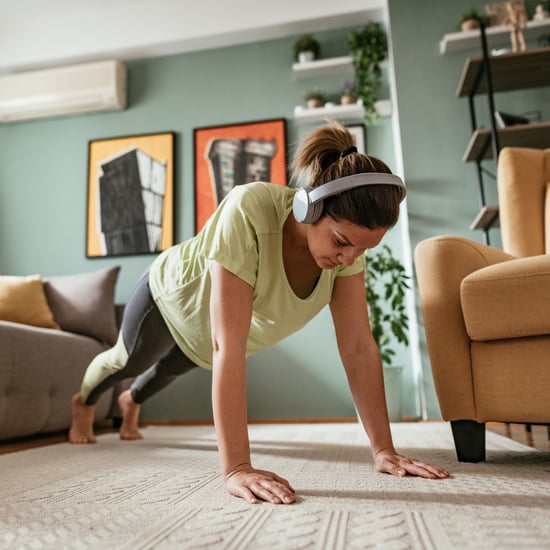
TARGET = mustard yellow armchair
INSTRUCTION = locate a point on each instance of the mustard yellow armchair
(487, 311)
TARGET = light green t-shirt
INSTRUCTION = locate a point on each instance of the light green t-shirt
(244, 235)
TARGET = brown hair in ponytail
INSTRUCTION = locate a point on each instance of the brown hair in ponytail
(320, 158)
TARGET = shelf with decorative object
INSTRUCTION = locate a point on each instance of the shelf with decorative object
(511, 71)
(353, 111)
(534, 134)
(488, 75)
(496, 36)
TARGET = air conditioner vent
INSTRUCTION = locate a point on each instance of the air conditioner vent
(85, 88)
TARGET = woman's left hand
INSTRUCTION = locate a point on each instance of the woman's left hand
(388, 461)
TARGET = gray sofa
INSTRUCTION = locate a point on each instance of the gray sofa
(41, 367)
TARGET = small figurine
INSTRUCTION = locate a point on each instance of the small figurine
(541, 13)
(517, 19)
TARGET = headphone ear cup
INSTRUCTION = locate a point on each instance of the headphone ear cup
(301, 205)
(303, 209)
(315, 211)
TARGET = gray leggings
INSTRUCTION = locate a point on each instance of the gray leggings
(145, 349)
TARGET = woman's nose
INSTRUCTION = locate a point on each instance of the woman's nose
(346, 257)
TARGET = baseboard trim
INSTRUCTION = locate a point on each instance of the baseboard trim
(210, 422)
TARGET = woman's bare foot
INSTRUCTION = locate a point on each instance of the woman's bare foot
(82, 426)
(130, 415)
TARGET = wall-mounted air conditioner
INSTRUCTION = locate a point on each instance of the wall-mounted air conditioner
(82, 88)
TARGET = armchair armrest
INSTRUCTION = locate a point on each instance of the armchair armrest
(441, 265)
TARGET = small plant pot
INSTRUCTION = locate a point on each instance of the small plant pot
(347, 100)
(306, 57)
(469, 25)
(314, 103)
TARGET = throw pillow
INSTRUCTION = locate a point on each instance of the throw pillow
(85, 303)
(22, 300)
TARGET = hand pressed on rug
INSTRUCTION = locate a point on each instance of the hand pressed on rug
(250, 484)
(389, 461)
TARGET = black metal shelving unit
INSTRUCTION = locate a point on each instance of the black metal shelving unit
(487, 75)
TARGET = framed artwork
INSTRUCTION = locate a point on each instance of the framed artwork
(358, 131)
(130, 195)
(234, 154)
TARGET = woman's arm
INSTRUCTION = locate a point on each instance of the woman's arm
(363, 366)
(230, 316)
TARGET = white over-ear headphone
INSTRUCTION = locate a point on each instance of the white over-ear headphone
(308, 201)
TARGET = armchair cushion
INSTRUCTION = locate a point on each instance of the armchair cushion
(507, 300)
(524, 205)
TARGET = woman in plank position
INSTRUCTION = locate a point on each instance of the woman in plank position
(265, 263)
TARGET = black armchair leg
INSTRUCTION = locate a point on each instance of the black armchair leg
(469, 438)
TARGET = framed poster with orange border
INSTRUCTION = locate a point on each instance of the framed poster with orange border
(130, 195)
(234, 154)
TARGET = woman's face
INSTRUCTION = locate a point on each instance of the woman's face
(333, 242)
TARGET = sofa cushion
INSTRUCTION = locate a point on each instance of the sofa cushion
(22, 300)
(84, 303)
(508, 300)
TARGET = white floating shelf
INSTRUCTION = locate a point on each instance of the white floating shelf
(340, 112)
(356, 111)
(332, 65)
(328, 66)
(496, 36)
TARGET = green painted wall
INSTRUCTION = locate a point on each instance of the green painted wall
(43, 167)
(435, 128)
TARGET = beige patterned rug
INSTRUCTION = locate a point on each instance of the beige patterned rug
(165, 492)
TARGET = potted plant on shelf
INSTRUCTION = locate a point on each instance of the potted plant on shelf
(369, 47)
(386, 282)
(470, 20)
(314, 98)
(348, 93)
(306, 48)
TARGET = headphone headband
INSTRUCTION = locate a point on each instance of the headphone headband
(357, 180)
(308, 202)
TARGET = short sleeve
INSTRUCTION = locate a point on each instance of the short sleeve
(230, 236)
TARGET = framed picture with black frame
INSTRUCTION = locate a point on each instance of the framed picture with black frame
(235, 154)
(130, 200)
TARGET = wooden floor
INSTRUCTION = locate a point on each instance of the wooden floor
(537, 437)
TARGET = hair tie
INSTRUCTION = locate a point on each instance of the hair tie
(349, 151)
(329, 158)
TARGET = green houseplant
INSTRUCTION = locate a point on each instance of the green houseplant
(386, 282)
(304, 44)
(348, 93)
(314, 98)
(470, 20)
(369, 47)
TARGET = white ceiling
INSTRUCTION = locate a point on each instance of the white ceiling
(45, 33)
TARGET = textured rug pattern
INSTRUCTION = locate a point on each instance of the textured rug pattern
(165, 492)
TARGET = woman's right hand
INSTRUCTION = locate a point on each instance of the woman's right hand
(253, 485)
